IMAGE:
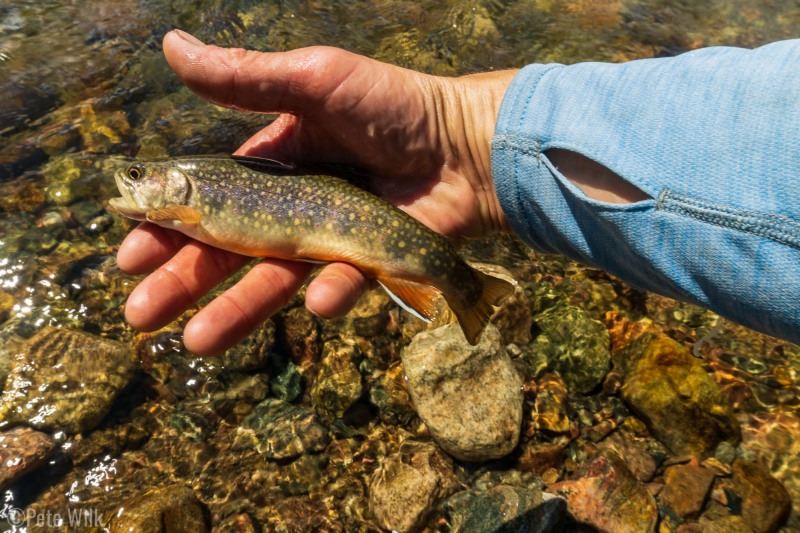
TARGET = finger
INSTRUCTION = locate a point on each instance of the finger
(335, 290)
(234, 314)
(295, 81)
(177, 285)
(147, 247)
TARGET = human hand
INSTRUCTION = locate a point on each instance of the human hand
(424, 138)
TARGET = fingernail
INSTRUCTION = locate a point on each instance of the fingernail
(189, 38)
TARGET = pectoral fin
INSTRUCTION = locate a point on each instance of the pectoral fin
(183, 213)
(416, 298)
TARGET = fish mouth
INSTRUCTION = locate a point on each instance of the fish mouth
(122, 206)
(126, 205)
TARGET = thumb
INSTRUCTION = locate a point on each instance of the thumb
(285, 82)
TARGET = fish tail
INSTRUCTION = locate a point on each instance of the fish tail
(473, 317)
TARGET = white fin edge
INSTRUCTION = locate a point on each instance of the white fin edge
(402, 304)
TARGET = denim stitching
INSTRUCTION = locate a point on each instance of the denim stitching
(517, 143)
(775, 227)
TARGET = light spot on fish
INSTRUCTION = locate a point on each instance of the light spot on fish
(423, 251)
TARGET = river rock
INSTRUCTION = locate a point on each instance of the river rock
(254, 351)
(406, 487)
(287, 383)
(633, 453)
(724, 524)
(369, 318)
(172, 509)
(338, 382)
(22, 450)
(539, 457)
(604, 494)
(390, 396)
(576, 346)
(550, 406)
(280, 430)
(66, 380)
(673, 394)
(775, 439)
(301, 337)
(505, 508)
(470, 397)
(686, 489)
(765, 502)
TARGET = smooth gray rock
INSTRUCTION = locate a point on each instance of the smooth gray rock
(469, 397)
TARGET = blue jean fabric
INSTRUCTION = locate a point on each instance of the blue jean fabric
(712, 136)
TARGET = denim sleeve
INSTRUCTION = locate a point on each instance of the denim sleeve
(711, 136)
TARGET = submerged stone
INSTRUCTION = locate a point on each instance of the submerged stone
(686, 488)
(674, 395)
(505, 508)
(765, 502)
(605, 495)
(369, 318)
(390, 396)
(407, 486)
(22, 450)
(65, 380)
(576, 346)
(338, 382)
(550, 407)
(632, 451)
(286, 384)
(280, 430)
(470, 397)
(172, 509)
(254, 351)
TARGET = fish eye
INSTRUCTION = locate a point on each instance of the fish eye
(135, 172)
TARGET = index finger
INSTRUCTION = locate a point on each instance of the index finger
(147, 247)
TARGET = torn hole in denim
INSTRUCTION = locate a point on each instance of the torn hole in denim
(596, 181)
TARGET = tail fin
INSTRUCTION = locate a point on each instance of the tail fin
(473, 317)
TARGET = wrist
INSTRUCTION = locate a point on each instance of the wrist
(478, 98)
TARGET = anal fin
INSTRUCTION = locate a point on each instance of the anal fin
(416, 298)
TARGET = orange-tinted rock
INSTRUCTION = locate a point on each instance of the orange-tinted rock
(605, 495)
(550, 406)
(765, 502)
(22, 450)
(686, 489)
(673, 394)
(637, 459)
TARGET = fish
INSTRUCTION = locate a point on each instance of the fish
(264, 208)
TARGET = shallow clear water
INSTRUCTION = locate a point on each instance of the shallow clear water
(84, 87)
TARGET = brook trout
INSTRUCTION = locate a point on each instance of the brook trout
(262, 208)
